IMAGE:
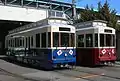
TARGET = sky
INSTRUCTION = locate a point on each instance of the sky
(114, 4)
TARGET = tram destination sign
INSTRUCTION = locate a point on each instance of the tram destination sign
(108, 31)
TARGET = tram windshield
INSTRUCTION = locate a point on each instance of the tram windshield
(63, 39)
(107, 40)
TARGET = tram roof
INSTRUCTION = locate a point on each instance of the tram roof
(90, 24)
(37, 24)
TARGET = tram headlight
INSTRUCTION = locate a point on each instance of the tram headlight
(103, 51)
(65, 55)
(71, 52)
(59, 52)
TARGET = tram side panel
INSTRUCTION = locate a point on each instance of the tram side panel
(95, 56)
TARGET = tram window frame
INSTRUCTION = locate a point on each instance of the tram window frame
(80, 43)
(96, 39)
(91, 42)
(49, 39)
(37, 36)
(56, 37)
(43, 39)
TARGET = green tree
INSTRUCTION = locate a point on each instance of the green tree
(104, 13)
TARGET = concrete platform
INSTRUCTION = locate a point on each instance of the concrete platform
(34, 73)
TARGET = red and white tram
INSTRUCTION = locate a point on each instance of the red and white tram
(95, 43)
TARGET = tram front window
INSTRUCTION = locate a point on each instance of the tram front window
(102, 40)
(113, 37)
(55, 39)
(72, 40)
(108, 40)
(64, 39)
(89, 40)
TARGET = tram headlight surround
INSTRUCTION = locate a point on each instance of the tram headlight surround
(103, 51)
(59, 52)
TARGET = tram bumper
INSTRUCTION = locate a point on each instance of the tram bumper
(64, 63)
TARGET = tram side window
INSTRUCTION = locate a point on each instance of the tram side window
(43, 39)
(80, 41)
(20, 42)
(9, 43)
(52, 13)
(13, 43)
(49, 39)
(89, 40)
(26, 42)
(37, 40)
(23, 42)
(31, 40)
(17, 42)
(55, 39)
(59, 14)
(96, 40)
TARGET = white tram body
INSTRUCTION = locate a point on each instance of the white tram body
(48, 43)
(95, 43)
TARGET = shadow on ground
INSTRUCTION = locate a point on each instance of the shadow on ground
(28, 65)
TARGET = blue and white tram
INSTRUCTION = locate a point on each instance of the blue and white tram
(46, 43)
